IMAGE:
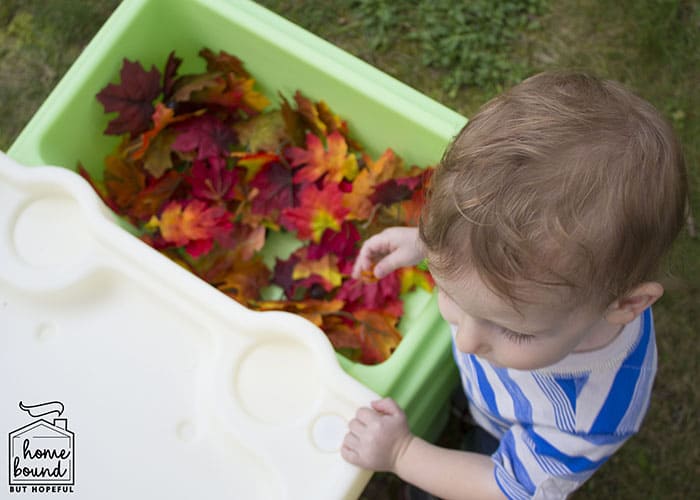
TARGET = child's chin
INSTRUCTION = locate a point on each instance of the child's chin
(492, 362)
(514, 365)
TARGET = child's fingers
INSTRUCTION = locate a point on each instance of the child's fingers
(364, 415)
(375, 247)
(387, 406)
(362, 263)
(356, 427)
(388, 264)
(350, 454)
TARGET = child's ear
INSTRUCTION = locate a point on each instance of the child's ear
(633, 303)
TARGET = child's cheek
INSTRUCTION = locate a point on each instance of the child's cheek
(448, 309)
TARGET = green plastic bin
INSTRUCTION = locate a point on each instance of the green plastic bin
(382, 112)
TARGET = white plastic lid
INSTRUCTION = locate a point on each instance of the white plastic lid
(158, 385)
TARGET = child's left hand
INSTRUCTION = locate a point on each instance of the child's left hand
(378, 436)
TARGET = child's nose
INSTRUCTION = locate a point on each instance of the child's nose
(471, 337)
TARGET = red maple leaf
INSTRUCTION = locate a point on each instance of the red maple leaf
(132, 99)
(373, 295)
(318, 210)
(394, 190)
(205, 134)
(275, 190)
(211, 180)
(389, 192)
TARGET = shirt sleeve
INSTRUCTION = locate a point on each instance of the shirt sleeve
(547, 463)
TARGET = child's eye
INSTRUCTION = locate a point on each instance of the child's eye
(518, 338)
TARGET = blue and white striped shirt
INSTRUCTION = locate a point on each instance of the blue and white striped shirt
(558, 424)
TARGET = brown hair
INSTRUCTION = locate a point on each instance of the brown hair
(565, 180)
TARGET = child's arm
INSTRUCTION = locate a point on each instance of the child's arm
(391, 249)
(379, 439)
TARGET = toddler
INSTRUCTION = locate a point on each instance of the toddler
(544, 228)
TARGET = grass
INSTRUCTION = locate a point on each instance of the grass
(653, 46)
(39, 41)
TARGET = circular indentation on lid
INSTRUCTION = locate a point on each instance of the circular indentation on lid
(277, 381)
(49, 232)
(328, 431)
(45, 332)
(185, 430)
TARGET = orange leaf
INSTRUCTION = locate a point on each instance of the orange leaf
(387, 166)
(335, 162)
(378, 335)
(358, 200)
(195, 221)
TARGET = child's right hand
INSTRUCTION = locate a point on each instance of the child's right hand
(377, 437)
(389, 250)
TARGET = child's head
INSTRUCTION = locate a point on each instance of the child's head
(565, 182)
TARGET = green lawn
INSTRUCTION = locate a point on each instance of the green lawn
(461, 57)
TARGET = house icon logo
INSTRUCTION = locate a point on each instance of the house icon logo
(42, 453)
